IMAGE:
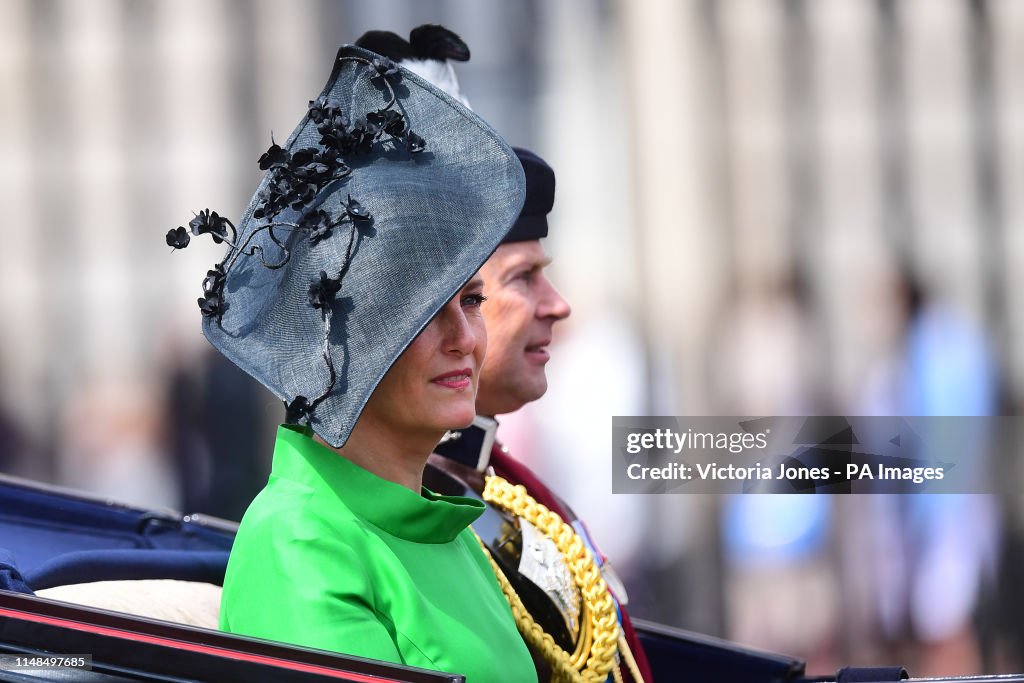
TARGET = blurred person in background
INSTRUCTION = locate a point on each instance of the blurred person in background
(217, 435)
(766, 353)
(522, 309)
(13, 448)
(766, 358)
(951, 370)
(110, 445)
(941, 363)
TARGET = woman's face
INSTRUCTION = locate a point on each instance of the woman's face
(432, 386)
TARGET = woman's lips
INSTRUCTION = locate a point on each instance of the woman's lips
(456, 379)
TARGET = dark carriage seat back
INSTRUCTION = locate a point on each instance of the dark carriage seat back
(39, 524)
(171, 585)
(82, 549)
(88, 566)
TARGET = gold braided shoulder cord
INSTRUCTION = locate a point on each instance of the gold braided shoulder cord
(598, 646)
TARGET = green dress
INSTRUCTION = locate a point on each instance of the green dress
(333, 557)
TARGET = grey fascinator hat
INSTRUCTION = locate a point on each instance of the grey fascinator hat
(385, 200)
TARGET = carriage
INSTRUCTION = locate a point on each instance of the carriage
(96, 591)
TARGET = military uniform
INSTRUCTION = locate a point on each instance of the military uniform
(463, 463)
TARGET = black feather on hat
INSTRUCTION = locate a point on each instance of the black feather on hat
(427, 53)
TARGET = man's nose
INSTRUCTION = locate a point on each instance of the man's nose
(552, 304)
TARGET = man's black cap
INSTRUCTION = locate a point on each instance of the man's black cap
(532, 223)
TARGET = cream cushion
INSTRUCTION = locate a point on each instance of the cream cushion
(184, 602)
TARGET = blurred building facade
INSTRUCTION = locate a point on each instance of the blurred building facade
(748, 192)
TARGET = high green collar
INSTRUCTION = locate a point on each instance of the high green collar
(426, 518)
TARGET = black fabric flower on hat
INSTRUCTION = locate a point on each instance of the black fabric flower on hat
(212, 305)
(356, 210)
(331, 123)
(414, 143)
(297, 410)
(360, 138)
(322, 291)
(210, 222)
(389, 120)
(386, 69)
(178, 238)
(303, 195)
(274, 157)
(317, 110)
(310, 165)
(318, 224)
(298, 177)
(214, 281)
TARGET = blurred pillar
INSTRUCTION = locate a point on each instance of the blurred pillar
(983, 98)
(584, 139)
(286, 78)
(942, 187)
(679, 263)
(899, 223)
(678, 246)
(752, 38)
(1007, 26)
(99, 264)
(22, 359)
(200, 165)
(852, 235)
(800, 124)
(849, 235)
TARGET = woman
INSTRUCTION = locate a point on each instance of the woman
(350, 291)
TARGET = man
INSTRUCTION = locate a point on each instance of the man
(521, 310)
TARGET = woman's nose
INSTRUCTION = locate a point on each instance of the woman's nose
(459, 334)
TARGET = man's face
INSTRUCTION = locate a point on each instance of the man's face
(521, 308)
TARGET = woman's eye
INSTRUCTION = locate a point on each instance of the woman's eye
(473, 300)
